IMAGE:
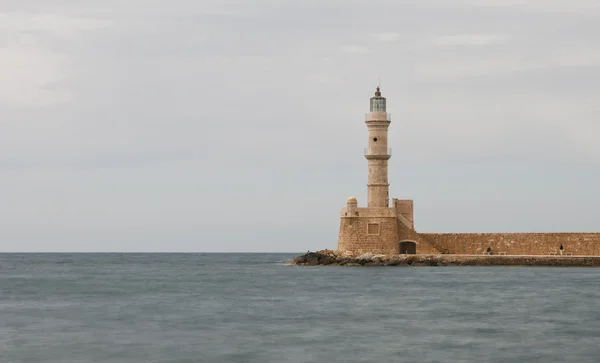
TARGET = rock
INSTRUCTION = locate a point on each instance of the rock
(312, 258)
(379, 258)
(393, 262)
(327, 260)
(335, 258)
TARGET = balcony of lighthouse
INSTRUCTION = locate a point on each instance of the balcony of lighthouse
(378, 153)
(376, 116)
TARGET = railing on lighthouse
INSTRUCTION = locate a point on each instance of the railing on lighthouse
(369, 116)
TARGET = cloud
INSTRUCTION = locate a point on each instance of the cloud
(354, 49)
(31, 71)
(470, 39)
(35, 70)
(579, 6)
(54, 24)
(387, 36)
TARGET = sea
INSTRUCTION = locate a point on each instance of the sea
(254, 308)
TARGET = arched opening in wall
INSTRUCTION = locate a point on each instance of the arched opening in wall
(408, 247)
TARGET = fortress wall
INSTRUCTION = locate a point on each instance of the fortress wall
(516, 243)
(354, 237)
(405, 233)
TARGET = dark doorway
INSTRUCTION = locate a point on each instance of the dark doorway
(408, 248)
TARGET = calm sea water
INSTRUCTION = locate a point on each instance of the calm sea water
(223, 308)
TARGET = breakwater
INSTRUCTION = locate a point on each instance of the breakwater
(332, 258)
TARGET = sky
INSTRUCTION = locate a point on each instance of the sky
(238, 126)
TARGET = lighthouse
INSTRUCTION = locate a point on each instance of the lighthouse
(379, 227)
(377, 152)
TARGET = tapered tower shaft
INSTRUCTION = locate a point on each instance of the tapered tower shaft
(378, 153)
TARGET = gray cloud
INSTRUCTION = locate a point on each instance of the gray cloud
(228, 126)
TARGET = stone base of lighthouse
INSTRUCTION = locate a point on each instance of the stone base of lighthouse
(386, 231)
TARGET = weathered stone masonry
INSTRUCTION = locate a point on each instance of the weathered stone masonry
(382, 229)
(577, 244)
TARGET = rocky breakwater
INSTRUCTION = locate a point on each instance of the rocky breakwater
(334, 258)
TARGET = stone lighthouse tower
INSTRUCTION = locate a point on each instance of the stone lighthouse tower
(378, 153)
(373, 229)
(379, 228)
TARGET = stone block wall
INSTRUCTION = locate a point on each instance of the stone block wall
(405, 233)
(406, 229)
(405, 209)
(358, 237)
(378, 186)
(515, 243)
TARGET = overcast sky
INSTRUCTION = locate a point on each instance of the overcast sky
(219, 125)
